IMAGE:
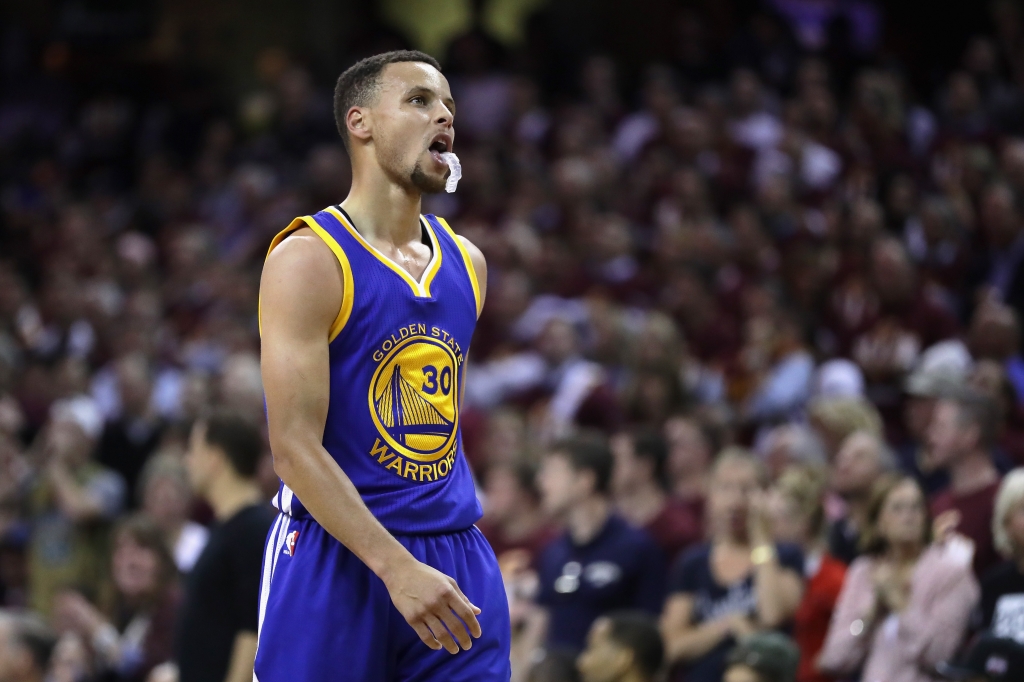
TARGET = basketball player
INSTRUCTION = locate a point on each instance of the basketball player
(374, 570)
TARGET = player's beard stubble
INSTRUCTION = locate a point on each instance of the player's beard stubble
(426, 183)
(390, 159)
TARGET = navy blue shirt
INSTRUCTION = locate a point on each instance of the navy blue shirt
(692, 575)
(620, 568)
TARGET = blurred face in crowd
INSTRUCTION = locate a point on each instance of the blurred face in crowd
(202, 461)
(630, 471)
(733, 483)
(67, 440)
(604, 659)
(999, 216)
(903, 517)
(16, 662)
(166, 501)
(688, 450)
(789, 522)
(948, 437)
(561, 486)
(558, 342)
(857, 465)
(504, 495)
(1013, 522)
(414, 105)
(917, 415)
(134, 567)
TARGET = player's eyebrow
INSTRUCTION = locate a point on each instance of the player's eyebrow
(416, 89)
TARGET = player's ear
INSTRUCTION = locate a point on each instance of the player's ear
(359, 123)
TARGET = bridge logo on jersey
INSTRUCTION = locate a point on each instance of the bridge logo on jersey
(414, 400)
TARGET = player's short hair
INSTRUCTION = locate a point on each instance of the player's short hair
(588, 451)
(357, 85)
(638, 632)
(32, 633)
(237, 438)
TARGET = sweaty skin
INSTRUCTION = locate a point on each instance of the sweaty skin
(300, 295)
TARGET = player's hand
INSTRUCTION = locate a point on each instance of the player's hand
(434, 606)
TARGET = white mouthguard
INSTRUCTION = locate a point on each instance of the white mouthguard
(456, 171)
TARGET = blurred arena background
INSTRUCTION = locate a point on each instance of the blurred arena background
(788, 230)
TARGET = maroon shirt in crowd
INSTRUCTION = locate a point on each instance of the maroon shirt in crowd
(976, 511)
(675, 528)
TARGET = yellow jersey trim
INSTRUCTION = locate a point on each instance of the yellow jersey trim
(420, 289)
(348, 284)
(468, 260)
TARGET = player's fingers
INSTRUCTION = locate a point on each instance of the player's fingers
(474, 607)
(465, 610)
(457, 629)
(441, 634)
(424, 632)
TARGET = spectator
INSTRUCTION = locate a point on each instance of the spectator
(167, 500)
(622, 646)
(764, 657)
(790, 444)
(862, 458)
(600, 562)
(73, 502)
(690, 449)
(960, 441)
(513, 519)
(834, 419)
(738, 583)
(639, 484)
(216, 636)
(134, 632)
(990, 659)
(906, 603)
(1002, 587)
(798, 517)
(26, 645)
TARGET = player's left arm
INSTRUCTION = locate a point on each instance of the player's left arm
(479, 266)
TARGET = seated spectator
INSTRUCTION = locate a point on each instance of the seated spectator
(739, 583)
(557, 665)
(1002, 587)
(798, 517)
(764, 657)
(862, 458)
(134, 631)
(835, 418)
(960, 440)
(622, 646)
(513, 518)
(906, 603)
(72, 503)
(167, 500)
(26, 646)
(790, 444)
(600, 562)
(639, 484)
(216, 635)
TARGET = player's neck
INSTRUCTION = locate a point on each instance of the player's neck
(587, 518)
(230, 494)
(383, 210)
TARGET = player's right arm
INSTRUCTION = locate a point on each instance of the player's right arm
(300, 295)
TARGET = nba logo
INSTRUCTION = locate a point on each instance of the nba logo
(289, 542)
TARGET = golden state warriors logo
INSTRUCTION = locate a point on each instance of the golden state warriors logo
(414, 402)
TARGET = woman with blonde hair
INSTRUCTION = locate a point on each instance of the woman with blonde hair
(1002, 587)
(739, 583)
(907, 600)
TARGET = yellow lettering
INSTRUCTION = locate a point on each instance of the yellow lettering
(437, 476)
(457, 348)
(443, 470)
(435, 332)
(426, 473)
(411, 468)
(378, 448)
(422, 328)
(395, 340)
(387, 345)
(403, 332)
(396, 464)
(459, 359)
(378, 356)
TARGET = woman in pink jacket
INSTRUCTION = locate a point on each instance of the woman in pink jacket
(906, 602)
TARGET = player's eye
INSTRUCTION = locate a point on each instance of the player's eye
(419, 99)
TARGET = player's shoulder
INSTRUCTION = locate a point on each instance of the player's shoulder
(300, 250)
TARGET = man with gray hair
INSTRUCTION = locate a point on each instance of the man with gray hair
(26, 644)
(861, 459)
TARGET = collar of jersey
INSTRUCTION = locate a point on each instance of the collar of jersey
(421, 289)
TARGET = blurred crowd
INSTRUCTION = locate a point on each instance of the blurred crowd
(745, 402)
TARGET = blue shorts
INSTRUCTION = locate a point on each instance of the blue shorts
(324, 616)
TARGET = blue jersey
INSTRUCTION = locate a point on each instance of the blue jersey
(397, 354)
